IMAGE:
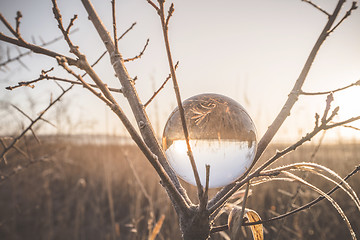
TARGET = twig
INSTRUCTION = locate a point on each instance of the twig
(62, 62)
(15, 140)
(329, 99)
(34, 135)
(352, 127)
(58, 17)
(204, 199)
(317, 7)
(22, 112)
(18, 17)
(35, 48)
(347, 14)
(23, 64)
(8, 26)
(140, 54)
(154, 5)
(139, 182)
(72, 20)
(286, 109)
(170, 13)
(9, 59)
(178, 99)
(104, 53)
(357, 83)
(161, 87)
(47, 77)
(122, 35)
(82, 63)
(353, 119)
(114, 24)
(4, 146)
(127, 30)
(47, 121)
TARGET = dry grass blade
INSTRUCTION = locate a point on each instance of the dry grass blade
(157, 228)
(236, 219)
(316, 169)
(330, 199)
(256, 230)
(269, 179)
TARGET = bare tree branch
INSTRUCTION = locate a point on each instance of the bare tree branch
(153, 5)
(22, 112)
(293, 96)
(290, 102)
(352, 127)
(357, 83)
(18, 17)
(72, 20)
(176, 192)
(317, 7)
(35, 48)
(109, 99)
(140, 54)
(15, 140)
(104, 53)
(347, 14)
(114, 24)
(47, 77)
(178, 99)
(21, 55)
(8, 26)
(58, 17)
(204, 199)
(170, 13)
(161, 87)
(324, 126)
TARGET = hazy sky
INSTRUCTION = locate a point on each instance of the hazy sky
(251, 51)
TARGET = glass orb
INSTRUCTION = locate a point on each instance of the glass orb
(222, 135)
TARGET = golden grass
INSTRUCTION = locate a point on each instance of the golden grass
(91, 192)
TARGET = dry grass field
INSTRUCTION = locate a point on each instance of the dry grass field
(92, 192)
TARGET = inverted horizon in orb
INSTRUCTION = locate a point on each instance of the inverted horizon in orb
(222, 135)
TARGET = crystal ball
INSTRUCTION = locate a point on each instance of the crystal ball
(221, 134)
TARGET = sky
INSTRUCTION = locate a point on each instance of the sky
(251, 51)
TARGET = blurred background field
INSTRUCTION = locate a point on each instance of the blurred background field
(83, 190)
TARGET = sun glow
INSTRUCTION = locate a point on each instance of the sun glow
(349, 103)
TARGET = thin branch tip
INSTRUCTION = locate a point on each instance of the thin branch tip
(317, 7)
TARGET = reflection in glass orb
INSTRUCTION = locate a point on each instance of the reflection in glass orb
(222, 135)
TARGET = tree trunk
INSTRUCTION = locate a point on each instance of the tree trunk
(195, 226)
